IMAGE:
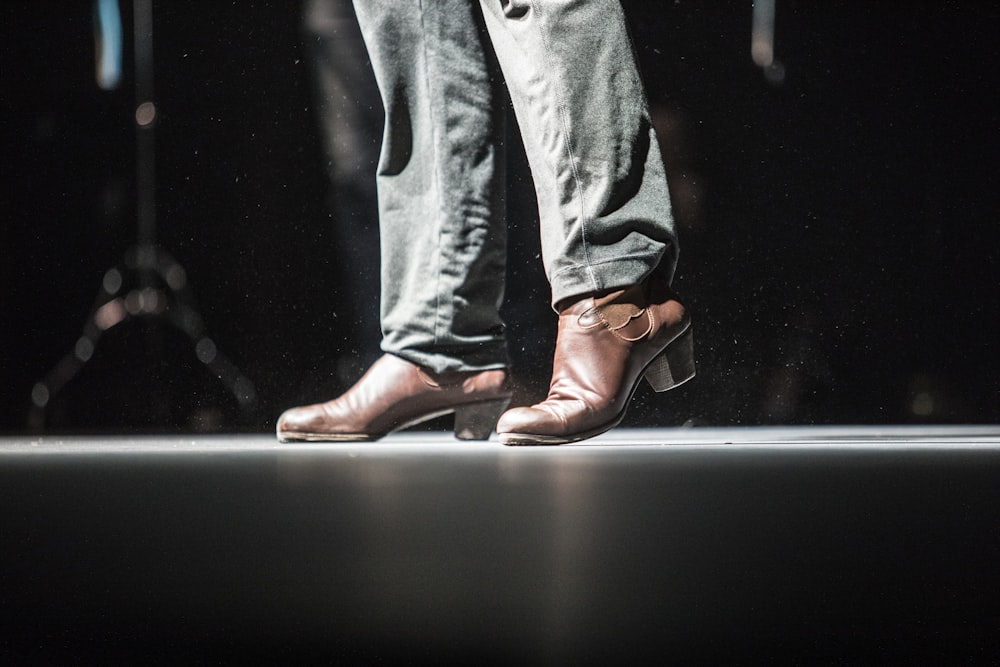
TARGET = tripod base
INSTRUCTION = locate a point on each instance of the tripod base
(149, 283)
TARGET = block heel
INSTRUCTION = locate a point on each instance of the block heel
(477, 420)
(674, 365)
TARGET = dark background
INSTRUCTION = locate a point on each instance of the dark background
(839, 226)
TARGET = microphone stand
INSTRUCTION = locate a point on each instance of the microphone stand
(149, 283)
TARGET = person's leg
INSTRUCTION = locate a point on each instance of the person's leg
(443, 234)
(349, 115)
(440, 183)
(348, 107)
(608, 238)
(603, 202)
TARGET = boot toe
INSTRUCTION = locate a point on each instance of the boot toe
(289, 422)
(515, 419)
(534, 420)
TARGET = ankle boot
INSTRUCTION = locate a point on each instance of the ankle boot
(604, 347)
(395, 394)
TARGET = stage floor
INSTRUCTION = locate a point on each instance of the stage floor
(692, 546)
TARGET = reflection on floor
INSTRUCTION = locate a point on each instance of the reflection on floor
(704, 546)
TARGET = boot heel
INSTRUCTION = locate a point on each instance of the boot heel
(476, 421)
(673, 366)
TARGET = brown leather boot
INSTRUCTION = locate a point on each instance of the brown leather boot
(604, 347)
(395, 394)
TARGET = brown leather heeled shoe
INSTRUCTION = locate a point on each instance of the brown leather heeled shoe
(604, 347)
(395, 394)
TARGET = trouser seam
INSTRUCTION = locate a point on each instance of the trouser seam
(436, 174)
(564, 123)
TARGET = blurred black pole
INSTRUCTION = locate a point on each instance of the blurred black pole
(149, 283)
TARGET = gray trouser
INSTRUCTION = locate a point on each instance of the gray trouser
(602, 195)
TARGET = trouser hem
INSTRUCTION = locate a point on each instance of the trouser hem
(480, 358)
(575, 282)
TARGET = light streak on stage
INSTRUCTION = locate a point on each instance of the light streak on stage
(701, 545)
